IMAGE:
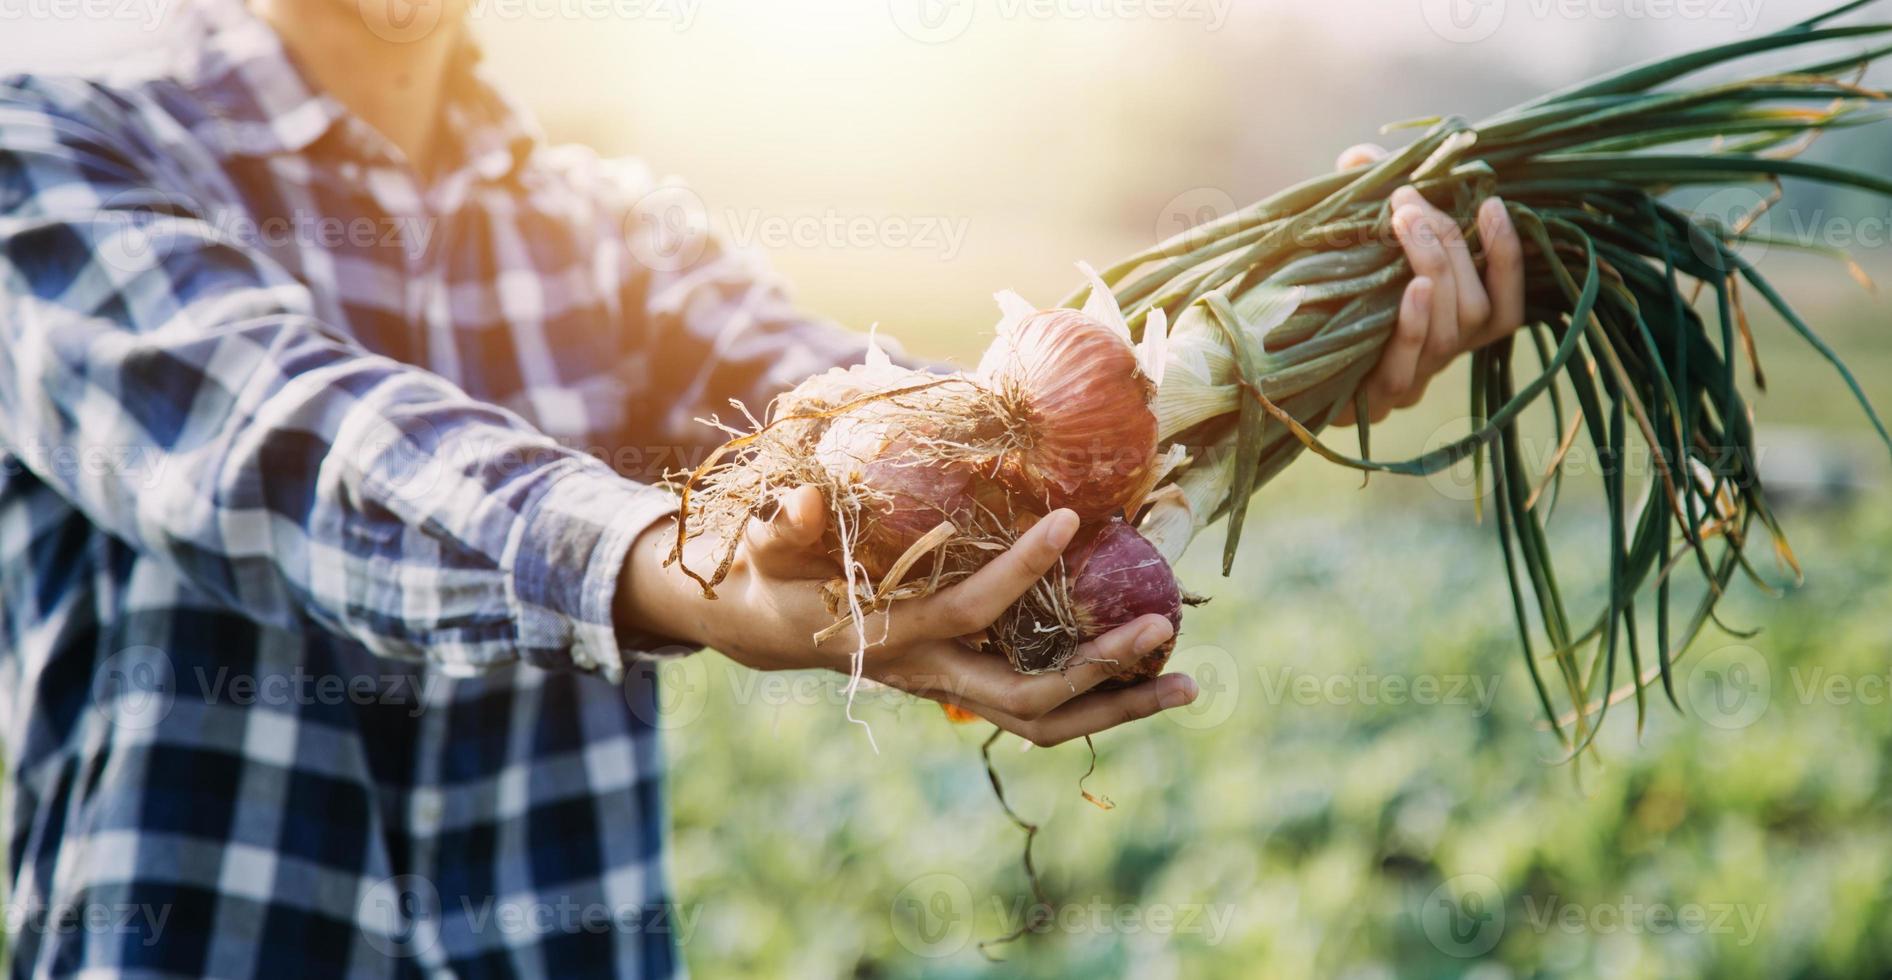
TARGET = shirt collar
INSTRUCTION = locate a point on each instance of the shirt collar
(485, 131)
(260, 103)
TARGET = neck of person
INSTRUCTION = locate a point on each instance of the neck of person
(398, 87)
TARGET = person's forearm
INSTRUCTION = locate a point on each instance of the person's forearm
(655, 599)
(767, 605)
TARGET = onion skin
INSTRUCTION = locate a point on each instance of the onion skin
(906, 492)
(1083, 404)
(837, 386)
(918, 497)
(805, 412)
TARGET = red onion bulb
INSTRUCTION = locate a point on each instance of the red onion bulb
(1086, 433)
(1117, 576)
(904, 491)
(1112, 576)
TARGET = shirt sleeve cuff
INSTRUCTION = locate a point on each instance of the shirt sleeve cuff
(568, 553)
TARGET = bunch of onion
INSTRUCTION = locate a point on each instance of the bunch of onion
(928, 476)
(1280, 309)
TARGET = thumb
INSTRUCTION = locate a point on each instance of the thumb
(789, 543)
(1358, 154)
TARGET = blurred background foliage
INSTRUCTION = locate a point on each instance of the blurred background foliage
(1279, 834)
(1365, 789)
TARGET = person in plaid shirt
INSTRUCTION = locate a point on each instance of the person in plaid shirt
(331, 400)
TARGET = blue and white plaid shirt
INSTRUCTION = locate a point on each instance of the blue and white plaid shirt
(316, 479)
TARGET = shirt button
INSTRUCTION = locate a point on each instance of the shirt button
(427, 811)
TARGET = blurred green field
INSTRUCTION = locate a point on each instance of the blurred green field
(1365, 788)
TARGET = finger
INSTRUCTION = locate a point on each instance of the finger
(789, 543)
(800, 516)
(1504, 270)
(985, 683)
(1393, 377)
(1124, 646)
(1447, 260)
(1424, 242)
(1360, 154)
(1104, 710)
(975, 603)
(1414, 394)
(1474, 308)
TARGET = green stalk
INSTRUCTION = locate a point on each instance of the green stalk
(1612, 272)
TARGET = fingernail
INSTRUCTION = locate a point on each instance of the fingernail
(1184, 692)
(1063, 527)
(1154, 635)
(1414, 225)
